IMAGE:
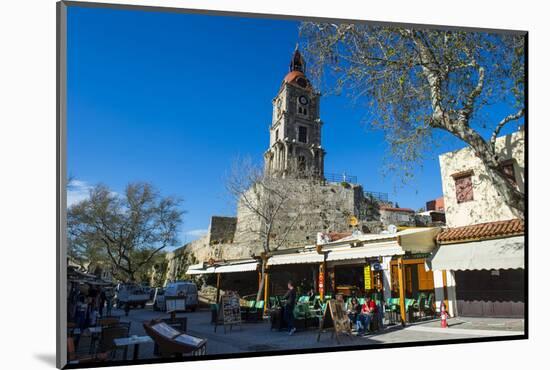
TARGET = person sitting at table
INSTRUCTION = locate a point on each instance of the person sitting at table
(353, 310)
(368, 312)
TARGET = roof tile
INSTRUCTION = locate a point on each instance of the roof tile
(482, 231)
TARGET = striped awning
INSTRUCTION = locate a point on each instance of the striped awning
(295, 258)
(493, 254)
(237, 266)
(380, 249)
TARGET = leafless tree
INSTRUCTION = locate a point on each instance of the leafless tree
(127, 231)
(272, 200)
(416, 81)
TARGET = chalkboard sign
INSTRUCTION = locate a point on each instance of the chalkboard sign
(229, 311)
(335, 317)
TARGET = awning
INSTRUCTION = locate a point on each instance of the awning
(238, 266)
(295, 258)
(241, 267)
(505, 253)
(380, 249)
(208, 270)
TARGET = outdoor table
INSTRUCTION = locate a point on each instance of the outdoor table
(135, 341)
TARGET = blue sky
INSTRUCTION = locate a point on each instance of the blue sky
(172, 99)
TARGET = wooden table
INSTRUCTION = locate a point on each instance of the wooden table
(135, 341)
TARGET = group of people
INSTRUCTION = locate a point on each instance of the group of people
(86, 307)
(362, 315)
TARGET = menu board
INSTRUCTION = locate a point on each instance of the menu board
(335, 316)
(189, 340)
(165, 330)
(229, 312)
(175, 304)
(231, 309)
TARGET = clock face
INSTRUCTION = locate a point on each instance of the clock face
(303, 100)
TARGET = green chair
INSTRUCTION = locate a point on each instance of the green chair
(256, 312)
(303, 299)
(249, 305)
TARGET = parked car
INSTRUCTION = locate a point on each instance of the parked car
(159, 303)
(132, 294)
(184, 289)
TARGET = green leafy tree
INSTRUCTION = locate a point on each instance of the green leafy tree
(127, 230)
(418, 81)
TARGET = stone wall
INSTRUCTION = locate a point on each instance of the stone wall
(222, 229)
(313, 208)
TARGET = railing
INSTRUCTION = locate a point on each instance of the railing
(382, 197)
(344, 177)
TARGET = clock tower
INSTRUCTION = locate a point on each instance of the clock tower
(295, 132)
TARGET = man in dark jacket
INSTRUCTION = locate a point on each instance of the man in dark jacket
(290, 298)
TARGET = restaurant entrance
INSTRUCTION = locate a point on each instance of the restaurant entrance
(358, 279)
(418, 284)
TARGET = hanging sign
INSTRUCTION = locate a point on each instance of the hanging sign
(321, 280)
(368, 282)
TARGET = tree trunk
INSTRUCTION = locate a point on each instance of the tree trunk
(511, 195)
(262, 282)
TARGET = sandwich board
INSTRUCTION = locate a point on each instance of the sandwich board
(335, 317)
(229, 312)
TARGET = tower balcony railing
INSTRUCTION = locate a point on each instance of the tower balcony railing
(379, 196)
(343, 177)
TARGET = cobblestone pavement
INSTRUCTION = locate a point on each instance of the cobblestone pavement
(252, 337)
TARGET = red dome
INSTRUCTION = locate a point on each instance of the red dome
(298, 78)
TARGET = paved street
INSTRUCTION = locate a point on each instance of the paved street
(253, 337)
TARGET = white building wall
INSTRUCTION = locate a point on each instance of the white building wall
(439, 291)
(487, 205)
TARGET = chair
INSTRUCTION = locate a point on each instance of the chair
(108, 336)
(108, 321)
(256, 313)
(246, 308)
(300, 315)
(429, 304)
(73, 356)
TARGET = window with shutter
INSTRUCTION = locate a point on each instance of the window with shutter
(464, 188)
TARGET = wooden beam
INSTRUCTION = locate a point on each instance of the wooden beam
(266, 291)
(445, 293)
(401, 278)
(218, 285)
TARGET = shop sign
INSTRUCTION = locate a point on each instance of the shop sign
(368, 282)
(376, 266)
(321, 282)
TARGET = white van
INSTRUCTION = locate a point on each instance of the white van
(132, 294)
(184, 289)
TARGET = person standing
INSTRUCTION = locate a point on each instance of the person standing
(102, 299)
(290, 298)
(109, 301)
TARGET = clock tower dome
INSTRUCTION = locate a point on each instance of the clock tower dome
(295, 132)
